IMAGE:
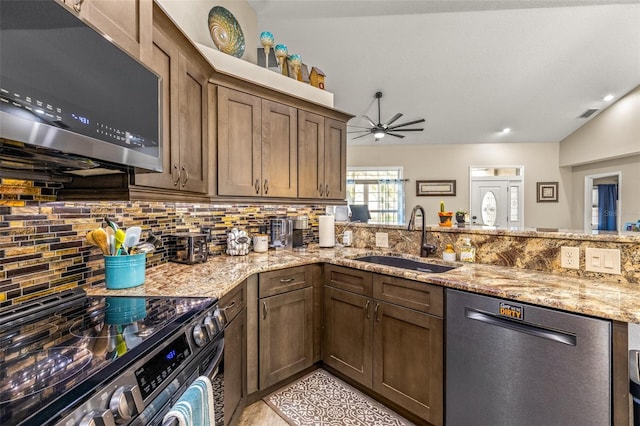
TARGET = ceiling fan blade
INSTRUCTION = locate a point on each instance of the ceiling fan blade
(361, 136)
(358, 127)
(422, 120)
(397, 136)
(370, 121)
(406, 130)
(394, 118)
(360, 131)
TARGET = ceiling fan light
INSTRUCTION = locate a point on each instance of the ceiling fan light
(379, 135)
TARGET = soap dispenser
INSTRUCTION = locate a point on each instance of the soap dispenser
(449, 254)
(467, 251)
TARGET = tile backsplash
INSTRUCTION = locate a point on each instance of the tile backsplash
(43, 247)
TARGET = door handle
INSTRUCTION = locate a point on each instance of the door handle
(375, 312)
(257, 186)
(264, 310)
(366, 309)
(175, 172)
(186, 176)
(77, 5)
(326, 190)
(321, 190)
(522, 327)
(266, 186)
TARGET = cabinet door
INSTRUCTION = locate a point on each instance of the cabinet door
(335, 159)
(348, 334)
(286, 335)
(127, 22)
(311, 180)
(193, 125)
(279, 150)
(408, 360)
(165, 62)
(239, 143)
(234, 355)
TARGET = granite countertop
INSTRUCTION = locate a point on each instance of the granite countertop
(220, 274)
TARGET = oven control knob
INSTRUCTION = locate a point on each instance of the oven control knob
(126, 402)
(211, 325)
(98, 418)
(220, 318)
(199, 335)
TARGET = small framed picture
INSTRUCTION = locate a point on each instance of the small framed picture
(427, 188)
(547, 192)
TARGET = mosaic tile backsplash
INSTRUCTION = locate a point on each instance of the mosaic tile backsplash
(43, 247)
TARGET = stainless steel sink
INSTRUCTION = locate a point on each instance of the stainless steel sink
(400, 262)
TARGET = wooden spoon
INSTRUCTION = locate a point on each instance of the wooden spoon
(100, 237)
(90, 239)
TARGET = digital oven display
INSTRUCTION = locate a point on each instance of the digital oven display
(155, 371)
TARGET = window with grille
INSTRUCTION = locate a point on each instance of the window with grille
(381, 189)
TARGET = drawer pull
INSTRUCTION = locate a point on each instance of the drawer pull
(264, 310)
(230, 305)
(375, 312)
(366, 309)
(286, 280)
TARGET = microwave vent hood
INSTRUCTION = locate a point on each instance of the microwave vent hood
(72, 102)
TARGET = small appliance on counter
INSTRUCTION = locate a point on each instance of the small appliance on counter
(187, 247)
(238, 242)
(300, 225)
(281, 233)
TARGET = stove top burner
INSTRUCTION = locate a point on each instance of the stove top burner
(57, 349)
(37, 371)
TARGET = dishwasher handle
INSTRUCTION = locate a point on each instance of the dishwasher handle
(521, 326)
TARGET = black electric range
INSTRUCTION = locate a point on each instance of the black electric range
(65, 357)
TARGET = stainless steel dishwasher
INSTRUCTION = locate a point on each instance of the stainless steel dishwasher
(508, 363)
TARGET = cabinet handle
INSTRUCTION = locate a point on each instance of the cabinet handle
(176, 173)
(264, 310)
(230, 305)
(366, 309)
(186, 176)
(321, 190)
(77, 5)
(257, 186)
(286, 280)
(266, 187)
(375, 312)
(326, 190)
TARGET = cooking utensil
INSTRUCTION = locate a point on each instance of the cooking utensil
(90, 239)
(100, 237)
(142, 248)
(120, 237)
(132, 236)
(111, 224)
(111, 240)
(101, 342)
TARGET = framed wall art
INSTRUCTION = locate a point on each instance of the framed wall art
(426, 188)
(547, 192)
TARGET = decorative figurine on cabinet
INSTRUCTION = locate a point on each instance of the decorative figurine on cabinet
(317, 77)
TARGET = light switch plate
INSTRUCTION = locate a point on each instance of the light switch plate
(570, 257)
(382, 239)
(602, 260)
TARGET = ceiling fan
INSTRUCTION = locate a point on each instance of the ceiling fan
(380, 130)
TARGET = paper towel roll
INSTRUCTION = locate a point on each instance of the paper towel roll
(327, 231)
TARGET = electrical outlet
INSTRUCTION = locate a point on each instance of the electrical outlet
(382, 239)
(570, 257)
(602, 260)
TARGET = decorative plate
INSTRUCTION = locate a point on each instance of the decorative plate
(226, 32)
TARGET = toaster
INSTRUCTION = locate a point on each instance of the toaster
(187, 247)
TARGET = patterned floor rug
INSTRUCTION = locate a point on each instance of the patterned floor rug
(321, 399)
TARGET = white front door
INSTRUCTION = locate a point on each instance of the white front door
(496, 202)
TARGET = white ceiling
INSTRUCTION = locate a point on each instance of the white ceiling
(469, 67)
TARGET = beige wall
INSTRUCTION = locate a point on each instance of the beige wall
(629, 187)
(540, 161)
(613, 133)
(192, 17)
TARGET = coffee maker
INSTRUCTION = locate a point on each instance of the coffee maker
(281, 233)
(300, 225)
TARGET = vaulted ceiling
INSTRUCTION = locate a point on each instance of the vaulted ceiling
(470, 68)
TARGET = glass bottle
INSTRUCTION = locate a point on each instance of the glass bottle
(467, 251)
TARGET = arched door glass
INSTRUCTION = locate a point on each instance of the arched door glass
(489, 209)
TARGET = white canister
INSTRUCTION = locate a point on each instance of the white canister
(327, 231)
(260, 243)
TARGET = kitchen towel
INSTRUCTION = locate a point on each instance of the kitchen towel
(327, 231)
(195, 406)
